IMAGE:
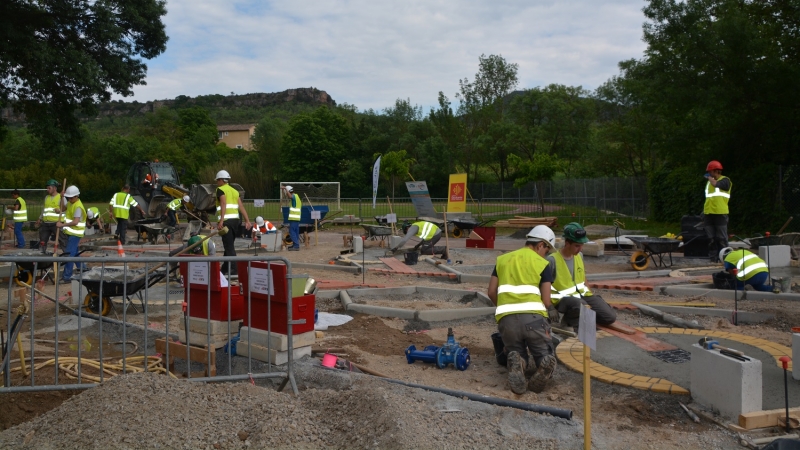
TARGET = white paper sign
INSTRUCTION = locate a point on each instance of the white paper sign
(316, 215)
(258, 203)
(391, 218)
(261, 281)
(198, 273)
(587, 331)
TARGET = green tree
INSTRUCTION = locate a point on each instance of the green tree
(58, 57)
(315, 146)
(542, 167)
(395, 166)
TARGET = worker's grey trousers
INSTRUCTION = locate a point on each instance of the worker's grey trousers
(47, 231)
(426, 247)
(716, 226)
(528, 334)
(570, 310)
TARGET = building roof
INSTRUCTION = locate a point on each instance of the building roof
(240, 127)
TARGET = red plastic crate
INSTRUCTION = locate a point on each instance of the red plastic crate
(302, 308)
(476, 243)
(279, 281)
(196, 295)
(487, 233)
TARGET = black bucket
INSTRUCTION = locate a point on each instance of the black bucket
(499, 349)
(723, 280)
(411, 257)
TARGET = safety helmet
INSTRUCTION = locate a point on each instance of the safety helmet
(72, 191)
(90, 214)
(9, 211)
(186, 199)
(406, 226)
(289, 188)
(575, 233)
(193, 240)
(544, 234)
(259, 221)
(724, 252)
(223, 174)
(51, 182)
(713, 165)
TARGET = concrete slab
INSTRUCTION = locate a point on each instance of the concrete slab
(382, 311)
(276, 341)
(744, 316)
(440, 315)
(725, 384)
(198, 325)
(776, 255)
(67, 323)
(270, 355)
(709, 290)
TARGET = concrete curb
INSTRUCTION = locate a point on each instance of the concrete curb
(382, 311)
(439, 315)
(301, 265)
(708, 290)
(434, 315)
(743, 316)
(355, 264)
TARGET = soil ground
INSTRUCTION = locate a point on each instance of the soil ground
(621, 417)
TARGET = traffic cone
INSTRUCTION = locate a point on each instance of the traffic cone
(120, 250)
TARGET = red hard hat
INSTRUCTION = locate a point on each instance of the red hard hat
(713, 165)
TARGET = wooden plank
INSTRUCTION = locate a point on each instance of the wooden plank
(197, 354)
(761, 419)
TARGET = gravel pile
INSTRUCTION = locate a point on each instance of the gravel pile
(154, 411)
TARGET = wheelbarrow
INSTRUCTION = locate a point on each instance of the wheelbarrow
(152, 229)
(377, 232)
(650, 248)
(103, 284)
(24, 272)
(462, 228)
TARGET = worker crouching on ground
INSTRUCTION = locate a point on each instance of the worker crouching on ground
(428, 233)
(715, 209)
(295, 209)
(520, 287)
(20, 217)
(569, 292)
(208, 248)
(172, 209)
(93, 219)
(264, 226)
(229, 205)
(120, 209)
(73, 227)
(49, 217)
(751, 270)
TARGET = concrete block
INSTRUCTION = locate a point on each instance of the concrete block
(795, 355)
(727, 385)
(272, 242)
(271, 356)
(394, 241)
(202, 339)
(382, 311)
(276, 341)
(438, 315)
(79, 292)
(358, 244)
(218, 327)
(776, 255)
(592, 249)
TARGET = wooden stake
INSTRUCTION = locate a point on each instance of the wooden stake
(784, 225)
(446, 237)
(394, 230)
(315, 222)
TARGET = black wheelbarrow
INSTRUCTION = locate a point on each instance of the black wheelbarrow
(462, 228)
(650, 248)
(26, 271)
(103, 284)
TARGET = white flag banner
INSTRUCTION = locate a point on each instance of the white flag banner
(376, 170)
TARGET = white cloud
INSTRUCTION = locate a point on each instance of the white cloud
(369, 53)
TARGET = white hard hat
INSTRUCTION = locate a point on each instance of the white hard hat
(186, 199)
(9, 211)
(259, 221)
(72, 191)
(544, 234)
(224, 175)
(289, 188)
(724, 252)
(90, 214)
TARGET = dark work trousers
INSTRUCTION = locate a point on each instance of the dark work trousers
(122, 229)
(172, 218)
(716, 226)
(570, 310)
(528, 334)
(47, 231)
(426, 247)
(228, 243)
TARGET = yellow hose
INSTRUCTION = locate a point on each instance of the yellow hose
(69, 365)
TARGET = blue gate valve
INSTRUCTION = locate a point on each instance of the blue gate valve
(449, 353)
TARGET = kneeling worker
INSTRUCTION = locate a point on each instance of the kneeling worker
(264, 226)
(569, 291)
(93, 219)
(173, 207)
(208, 248)
(428, 233)
(520, 287)
(750, 268)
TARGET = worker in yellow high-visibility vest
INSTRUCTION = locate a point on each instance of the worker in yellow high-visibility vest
(20, 209)
(750, 269)
(295, 214)
(46, 223)
(73, 226)
(427, 232)
(120, 208)
(715, 209)
(229, 205)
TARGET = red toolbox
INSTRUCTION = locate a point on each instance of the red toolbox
(263, 291)
(302, 308)
(487, 234)
(196, 278)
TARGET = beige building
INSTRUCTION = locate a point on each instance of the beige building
(236, 136)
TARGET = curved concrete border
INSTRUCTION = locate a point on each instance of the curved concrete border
(428, 315)
(570, 353)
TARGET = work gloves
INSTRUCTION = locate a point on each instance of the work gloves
(555, 317)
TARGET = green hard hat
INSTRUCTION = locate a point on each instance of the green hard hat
(575, 233)
(192, 241)
(51, 182)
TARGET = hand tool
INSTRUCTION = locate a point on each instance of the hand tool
(710, 344)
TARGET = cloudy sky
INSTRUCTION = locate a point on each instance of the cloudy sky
(369, 53)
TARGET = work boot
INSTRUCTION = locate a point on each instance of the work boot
(543, 374)
(516, 373)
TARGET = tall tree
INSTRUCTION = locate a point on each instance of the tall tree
(395, 166)
(59, 57)
(315, 146)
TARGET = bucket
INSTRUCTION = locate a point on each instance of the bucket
(411, 257)
(785, 284)
(329, 360)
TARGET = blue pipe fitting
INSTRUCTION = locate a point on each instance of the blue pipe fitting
(449, 353)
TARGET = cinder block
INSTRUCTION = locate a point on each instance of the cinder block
(202, 339)
(795, 355)
(358, 244)
(218, 327)
(277, 341)
(592, 249)
(394, 241)
(79, 293)
(725, 384)
(776, 255)
(271, 356)
(272, 242)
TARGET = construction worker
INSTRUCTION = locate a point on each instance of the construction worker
(73, 227)
(171, 212)
(229, 205)
(208, 247)
(569, 292)
(750, 269)
(715, 209)
(264, 226)
(49, 216)
(428, 233)
(93, 219)
(520, 287)
(295, 209)
(120, 209)
(20, 217)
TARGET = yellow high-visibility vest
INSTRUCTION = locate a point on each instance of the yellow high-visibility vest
(518, 276)
(747, 264)
(122, 202)
(716, 199)
(565, 285)
(294, 211)
(21, 215)
(80, 227)
(426, 230)
(50, 204)
(231, 203)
